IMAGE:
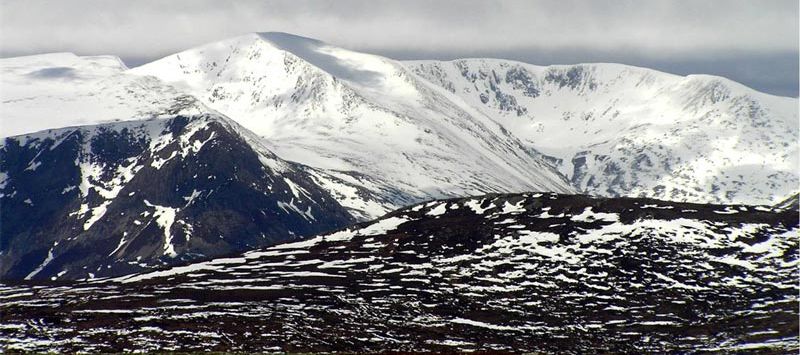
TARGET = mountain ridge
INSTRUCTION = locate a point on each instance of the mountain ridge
(607, 165)
(598, 127)
(334, 122)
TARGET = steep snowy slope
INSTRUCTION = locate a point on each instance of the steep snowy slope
(128, 196)
(61, 89)
(617, 130)
(521, 273)
(336, 109)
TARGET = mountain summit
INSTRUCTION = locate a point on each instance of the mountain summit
(333, 108)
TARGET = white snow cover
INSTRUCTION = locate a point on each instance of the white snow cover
(62, 89)
(165, 218)
(333, 108)
(44, 263)
(431, 129)
(438, 210)
(623, 130)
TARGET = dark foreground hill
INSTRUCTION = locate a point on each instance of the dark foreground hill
(533, 272)
(122, 197)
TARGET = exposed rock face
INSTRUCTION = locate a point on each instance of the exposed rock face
(533, 272)
(123, 197)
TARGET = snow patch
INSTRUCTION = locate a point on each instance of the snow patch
(438, 210)
(44, 263)
(165, 217)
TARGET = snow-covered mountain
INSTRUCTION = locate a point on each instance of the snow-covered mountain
(127, 196)
(417, 130)
(617, 130)
(332, 108)
(58, 90)
(517, 273)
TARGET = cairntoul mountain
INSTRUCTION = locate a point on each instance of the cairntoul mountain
(611, 130)
(332, 108)
(518, 272)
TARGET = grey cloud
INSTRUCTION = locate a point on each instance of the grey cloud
(680, 36)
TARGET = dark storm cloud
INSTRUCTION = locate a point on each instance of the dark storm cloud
(755, 42)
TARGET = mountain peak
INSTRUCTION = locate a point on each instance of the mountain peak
(355, 67)
(333, 108)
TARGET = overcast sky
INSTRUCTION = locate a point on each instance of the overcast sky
(753, 42)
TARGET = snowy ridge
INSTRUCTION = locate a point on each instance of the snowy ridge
(617, 130)
(521, 273)
(62, 89)
(331, 108)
